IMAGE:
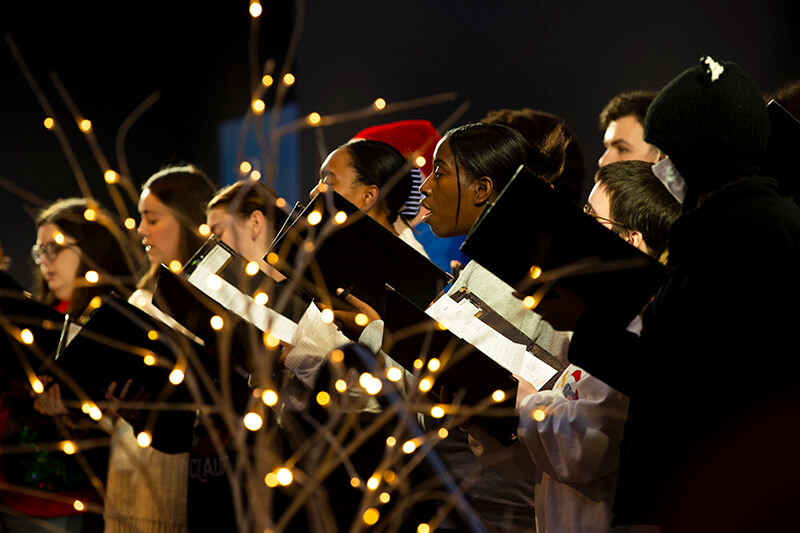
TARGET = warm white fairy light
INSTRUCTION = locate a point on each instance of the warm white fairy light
(389, 476)
(420, 161)
(443, 433)
(95, 413)
(340, 385)
(314, 218)
(423, 528)
(385, 497)
(37, 386)
(425, 384)
(323, 398)
(355, 482)
(245, 167)
(327, 316)
(371, 516)
(394, 374)
(95, 302)
(130, 223)
(92, 276)
(271, 480)
(85, 125)
(26, 336)
(309, 246)
(269, 397)
(409, 446)
(418, 363)
(253, 421)
(58, 237)
(267, 80)
(175, 265)
(365, 379)
(535, 272)
(284, 476)
(90, 214)
(204, 230)
(529, 302)
(258, 106)
(280, 203)
(217, 323)
(289, 79)
(538, 415)
(255, 9)
(374, 386)
(434, 364)
(176, 376)
(149, 359)
(152, 335)
(391, 441)
(255, 175)
(361, 319)
(437, 411)
(78, 505)
(110, 176)
(214, 282)
(379, 104)
(86, 407)
(340, 217)
(314, 118)
(337, 356)
(49, 123)
(261, 298)
(144, 439)
(498, 396)
(68, 447)
(373, 482)
(271, 341)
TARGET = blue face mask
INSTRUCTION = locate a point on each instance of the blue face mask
(666, 172)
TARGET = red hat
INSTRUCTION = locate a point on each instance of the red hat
(412, 138)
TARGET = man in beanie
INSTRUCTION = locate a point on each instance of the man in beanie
(725, 319)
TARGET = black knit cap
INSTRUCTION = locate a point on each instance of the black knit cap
(712, 123)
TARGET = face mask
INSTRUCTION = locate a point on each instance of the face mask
(666, 172)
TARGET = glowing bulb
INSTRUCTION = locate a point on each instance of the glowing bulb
(130, 223)
(92, 276)
(110, 176)
(68, 447)
(340, 385)
(271, 341)
(175, 265)
(535, 272)
(261, 298)
(389, 476)
(251, 268)
(373, 482)
(529, 302)
(267, 80)
(90, 214)
(58, 237)
(365, 379)
(314, 118)
(379, 104)
(434, 364)
(271, 480)
(245, 167)
(269, 397)
(26, 336)
(176, 376)
(327, 316)
(214, 282)
(144, 439)
(255, 10)
(425, 384)
(418, 363)
(498, 396)
(141, 301)
(420, 161)
(538, 415)
(280, 203)
(394, 374)
(85, 125)
(272, 258)
(95, 413)
(253, 421)
(284, 476)
(37, 386)
(258, 106)
(374, 386)
(371, 516)
(361, 319)
(443, 433)
(314, 218)
(355, 482)
(288, 79)
(216, 322)
(255, 175)
(204, 230)
(152, 335)
(323, 398)
(340, 217)
(308, 246)
(441, 326)
(78, 505)
(423, 528)
(337, 356)
(385, 497)
(95, 302)
(391, 441)
(409, 446)
(49, 123)
(437, 411)
(86, 407)
(149, 360)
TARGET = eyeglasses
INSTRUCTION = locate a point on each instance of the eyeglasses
(589, 211)
(51, 250)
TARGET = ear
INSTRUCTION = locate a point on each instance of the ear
(483, 188)
(369, 197)
(636, 239)
(256, 224)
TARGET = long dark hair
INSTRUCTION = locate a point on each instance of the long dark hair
(185, 190)
(245, 197)
(378, 163)
(100, 243)
(497, 151)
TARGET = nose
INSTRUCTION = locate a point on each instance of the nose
(606, 159)
(141, 230)
(425, 189)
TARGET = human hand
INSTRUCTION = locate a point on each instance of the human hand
(49, 402)
(524, 389)
(131, 415)
(346, 320)
(563, 311)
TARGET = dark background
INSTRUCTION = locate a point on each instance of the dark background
(567, 57)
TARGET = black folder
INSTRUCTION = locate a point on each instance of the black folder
(784, 142)
(358, 254)
(533, 239)
(410, 334)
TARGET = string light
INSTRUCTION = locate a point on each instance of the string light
(175, 265)
(68, 447)
(78, 505)
(86, 407)
(280, 203)
(498, 396)
(437, 411)
(245, 167)
(308, 246)
(26, 336)
(314, 119)
(394, 374)
(374, 386)
(92, 276)
(391, 441)
(271, 341)
(371, 516)
(418, 363)
(49, 123)
(284, 476)
(261, 298)
(255, 175)
(425, 384)
(130, 223)
(373, 482)
(434, 364)
(149, 360)
(269, 397)
(214, 282)
(90, 214)
(385, 497)
(365, 379)
(85, 125)
(361, 319)
(420, 161)
(340, 217)
(204, 230)
(271, 480)
(355, 482)
(217, 323)
(176, 376)
(538, 415)
(327, 316)
(253, 421)
(379, 104)
(288, 79)
(152, 335)
(409, 446)
(272, 258)
(95, 413)
(389, 476)
(323, 398)
(37, 386)
(251, 268)
(95, 302)
(267, 80)
(443, 433)
(144, 439)
(258, 106)
(423, 528)
(314, 218)
(255, 10)
(58, 237)
(110, 176)
(536, 272)
(340, 385)
(529, 302)
(337, 356)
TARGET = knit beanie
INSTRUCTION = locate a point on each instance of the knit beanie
(412, 138)
(712, 123)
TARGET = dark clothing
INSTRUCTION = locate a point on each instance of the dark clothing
(724, 320)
